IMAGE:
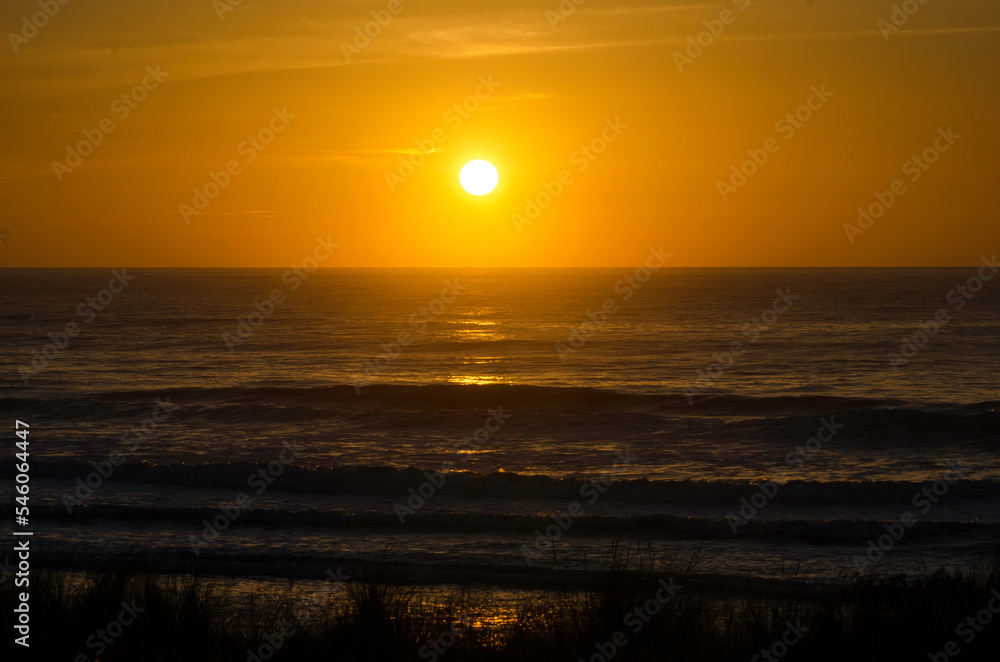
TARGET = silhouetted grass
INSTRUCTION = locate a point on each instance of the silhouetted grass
(376, 616)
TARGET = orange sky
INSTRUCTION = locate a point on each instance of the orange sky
(546, 89)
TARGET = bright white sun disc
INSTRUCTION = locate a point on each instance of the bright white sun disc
(479, 177)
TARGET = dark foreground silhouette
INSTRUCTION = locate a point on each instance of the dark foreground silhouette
(634, 609)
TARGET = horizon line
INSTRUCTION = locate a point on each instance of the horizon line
(508, 268)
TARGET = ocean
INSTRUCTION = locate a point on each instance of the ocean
(492, 424)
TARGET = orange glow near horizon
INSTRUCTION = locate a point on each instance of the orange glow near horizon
(594, 122)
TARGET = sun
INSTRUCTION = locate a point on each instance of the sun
(479, 177)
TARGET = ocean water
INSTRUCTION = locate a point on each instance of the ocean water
(824, 403)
